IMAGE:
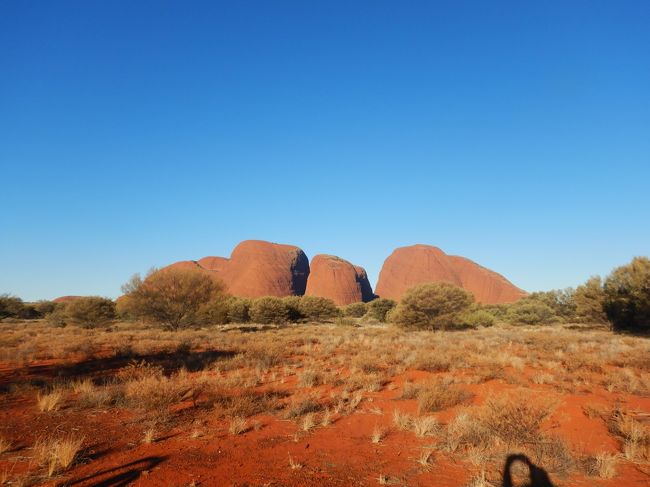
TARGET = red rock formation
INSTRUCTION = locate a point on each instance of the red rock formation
(257, 268)
(65, 299)
(337, 279)
(417, 264)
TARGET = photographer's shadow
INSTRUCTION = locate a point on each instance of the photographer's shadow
(537, 475)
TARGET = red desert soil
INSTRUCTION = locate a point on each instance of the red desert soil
(408, 266)
(337, 279)
(196, 448)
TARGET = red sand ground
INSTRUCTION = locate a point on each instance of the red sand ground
(338, 455)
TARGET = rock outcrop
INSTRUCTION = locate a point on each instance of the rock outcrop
(339, 280)
(417, 264)
(257, 268)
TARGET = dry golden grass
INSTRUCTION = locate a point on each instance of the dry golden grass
(57, 454)
(425, 426)
(256, 373)
(50, 401)
(5, 445)
(378, 434)
(238, 425)
(438, 396)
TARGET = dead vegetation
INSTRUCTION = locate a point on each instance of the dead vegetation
(312, 377)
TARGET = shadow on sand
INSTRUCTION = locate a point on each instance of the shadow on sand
(537, 475)
(120, 476)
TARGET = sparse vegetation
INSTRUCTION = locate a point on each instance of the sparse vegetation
(171, 297)
(90, 311)
(269, 310)
(627, 295)
(431, 307)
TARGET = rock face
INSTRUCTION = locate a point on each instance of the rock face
(417, 264)
(337, 279)
(257, 268)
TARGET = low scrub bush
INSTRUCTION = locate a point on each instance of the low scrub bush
(239, 310)
(476, 318)
(269, 309)
(627, 295)
(355, 310)
(172, 297)
(294, 313)
(431, 306)
(315, 308)
(379, 308)
(215, 312)
(90, 312)
(526, 312)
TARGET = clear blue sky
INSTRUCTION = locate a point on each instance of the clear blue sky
(137, 133)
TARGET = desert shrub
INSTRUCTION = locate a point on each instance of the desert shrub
(355, 310)
(627, 295)
(215, 312)
(10, 306)
(589, 300)
(58, 317)
(171, 297)
(431, 306)
(476, 317)
(378, 308)
(238, 310)
(294, 313)
(90, 311)
(315, 308)
(269, 309)
(45, 307)
(561, 301)
(526, 312)
(123, 308)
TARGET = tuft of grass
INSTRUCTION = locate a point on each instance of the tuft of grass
(425, 426)
(149, 435)
(308, 422)
(378, 434)
(425, 457)
(58, 454)
(439, 396)
(602, 465)
(293, 464)
(238, 425)
(50, 401)
(5, 445)
(402, 420)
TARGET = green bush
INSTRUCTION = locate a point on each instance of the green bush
(215, 312)
(432, 306)
(171, 297)
(45, 307)
(378, 308)
(589, 299)
(627, 295)
(58, 317)
(10, 306)
(294, 313)
(315, 308)
(239, 310)
(477, 317)
(530, 312)
(355, 310)
(90, 311)
(269, 309)
(561, 302)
